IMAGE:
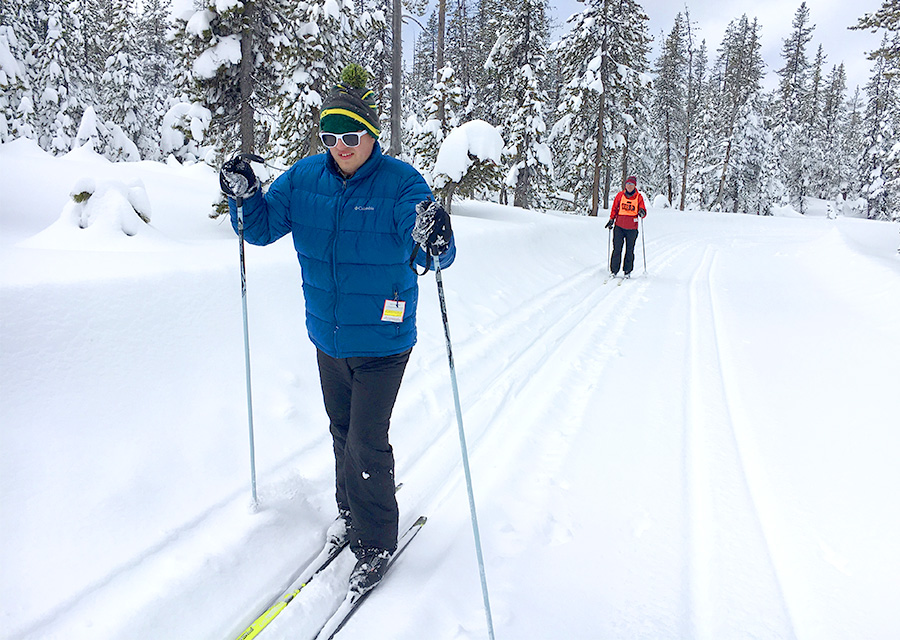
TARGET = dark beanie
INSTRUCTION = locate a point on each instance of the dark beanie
(632, 180)
(350, 106)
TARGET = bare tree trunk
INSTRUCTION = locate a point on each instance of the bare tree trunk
(687, 154)
(521, 191)
(598, 158)
(314, 140)
(690, 111)
(439, 59)
(720, 192)
(396, 78)
(246, 81)
(669, 188)
(607, 186)
(448, 198)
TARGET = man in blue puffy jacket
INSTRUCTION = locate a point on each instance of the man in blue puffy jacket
(356, 216)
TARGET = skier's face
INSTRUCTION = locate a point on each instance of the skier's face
(349, 159)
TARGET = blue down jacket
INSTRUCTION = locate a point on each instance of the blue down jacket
(352, 237)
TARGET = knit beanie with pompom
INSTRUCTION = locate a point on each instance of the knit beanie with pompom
(350, 106)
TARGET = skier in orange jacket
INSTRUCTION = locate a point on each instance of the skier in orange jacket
(626, 208)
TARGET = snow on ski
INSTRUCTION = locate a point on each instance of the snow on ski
(353, 600)
(318, 565)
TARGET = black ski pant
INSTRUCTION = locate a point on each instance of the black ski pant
(621, 236)
(359, 396)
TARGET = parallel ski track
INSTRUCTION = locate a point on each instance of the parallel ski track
(722, 515)
(577, 307)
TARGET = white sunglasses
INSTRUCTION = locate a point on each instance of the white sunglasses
(349, 139)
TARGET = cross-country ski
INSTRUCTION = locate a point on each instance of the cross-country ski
(355, 598)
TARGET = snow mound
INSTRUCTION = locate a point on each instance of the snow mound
(786, 212)
(661, 202)
(99, 216)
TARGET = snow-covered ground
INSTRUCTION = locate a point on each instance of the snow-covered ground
(708, 451)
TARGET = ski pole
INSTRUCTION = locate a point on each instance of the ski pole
(643, 246)
(462, 444)
(240, 226)
(608, 248)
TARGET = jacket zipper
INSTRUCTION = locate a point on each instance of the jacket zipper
(334, 273)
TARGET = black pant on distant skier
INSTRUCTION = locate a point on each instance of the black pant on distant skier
(359, 396)
(621, 236)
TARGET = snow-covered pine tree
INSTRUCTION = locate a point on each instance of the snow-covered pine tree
(699, 179)
(16, 98)
(461, 54)
(628, 96)
(880, 173)
(518, 57)
(738, 75)
(749, 151)
(852, 147)
(426, 142)
(887, 17)
(810, 140)
(422, 74)
(695, 93)
(489, 18)
(793, 92)
(224, 54)
(773, 191)
(827, 178)
(157, 73)
(631, 127)
(880, 170)
(121, 91)
(318, 43)
(58, 81)
(372, 47)
(98, 18)
(598, 59)
(794, 83)
(669, 105)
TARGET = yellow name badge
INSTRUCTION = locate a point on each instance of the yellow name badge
(393, 311)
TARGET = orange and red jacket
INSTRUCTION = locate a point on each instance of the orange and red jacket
(625, 209)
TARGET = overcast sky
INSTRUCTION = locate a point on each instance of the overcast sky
(711, 17)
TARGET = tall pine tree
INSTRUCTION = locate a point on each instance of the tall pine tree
(518, 58)
(601, 61)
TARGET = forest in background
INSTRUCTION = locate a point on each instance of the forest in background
(577, 114)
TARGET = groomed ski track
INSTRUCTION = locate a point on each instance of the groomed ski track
(613, 431)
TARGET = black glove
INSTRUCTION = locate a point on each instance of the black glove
(642, 213)
(609, 225)
(236, 178)
(432, 229)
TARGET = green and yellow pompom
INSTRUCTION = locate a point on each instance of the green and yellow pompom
(355, 76)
